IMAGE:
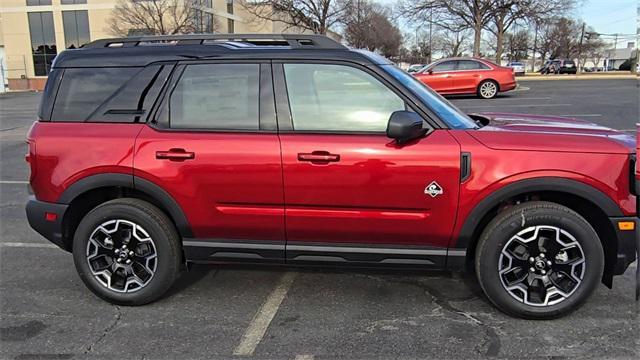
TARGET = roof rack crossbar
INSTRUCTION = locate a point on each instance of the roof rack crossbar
(296, 41)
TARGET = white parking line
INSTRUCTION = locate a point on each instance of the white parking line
(583, 115)
(13, 182)
(519, 105)
(261, 320)
(304, 357)
(27, 245)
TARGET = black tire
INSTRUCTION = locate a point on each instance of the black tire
(488, 83)
(165, 243)
(520, 219)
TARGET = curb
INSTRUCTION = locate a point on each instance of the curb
(575, 77)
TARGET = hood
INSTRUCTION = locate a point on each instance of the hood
(550, 133)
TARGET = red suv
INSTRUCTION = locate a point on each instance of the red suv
(151, 153)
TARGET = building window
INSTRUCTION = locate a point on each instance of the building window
(230, 23)
(203, 18)
(76, 28)
(71, 2)
(38, 2)
(43, 42)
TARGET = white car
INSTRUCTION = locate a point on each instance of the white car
(518, 67)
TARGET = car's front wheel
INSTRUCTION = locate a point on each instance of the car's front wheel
(127, 252)
(488, 89)
(539, 260)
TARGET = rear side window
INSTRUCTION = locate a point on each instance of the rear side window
(83, 90)
(216, 97)
(471, 65)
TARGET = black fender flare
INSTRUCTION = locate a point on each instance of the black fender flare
(555, 184)
(151, 189)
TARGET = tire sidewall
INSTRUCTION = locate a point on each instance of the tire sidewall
(166, 267)
(493, 241)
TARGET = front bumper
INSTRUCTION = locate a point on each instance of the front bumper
(51, 229)
(626, 241)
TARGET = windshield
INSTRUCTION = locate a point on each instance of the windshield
(450, 114)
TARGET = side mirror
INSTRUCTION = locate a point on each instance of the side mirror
(430, 71)
(405, 126)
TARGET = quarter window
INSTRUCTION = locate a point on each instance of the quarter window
(327, 97)
(83, 90)
(216, 96)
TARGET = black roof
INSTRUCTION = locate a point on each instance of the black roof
(141, 51)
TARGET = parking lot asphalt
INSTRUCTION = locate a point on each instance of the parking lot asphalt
(221, 311)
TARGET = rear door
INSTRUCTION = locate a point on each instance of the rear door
(351, 193)
(213, 147)
(468, 75)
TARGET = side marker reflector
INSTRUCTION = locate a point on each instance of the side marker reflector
(626, 225)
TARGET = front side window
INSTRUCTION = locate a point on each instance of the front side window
(326, 97)
(447, 112)
(43, 41)
(217, 97)
(445, 66)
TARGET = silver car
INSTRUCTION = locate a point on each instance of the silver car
(518, 67)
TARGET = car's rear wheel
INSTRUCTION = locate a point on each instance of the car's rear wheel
(488, 89)
(539, 260)
(127, 252)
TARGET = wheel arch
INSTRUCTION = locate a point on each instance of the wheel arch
(89, 192)
(591, 203)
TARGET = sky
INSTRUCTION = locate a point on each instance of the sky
(605, 16)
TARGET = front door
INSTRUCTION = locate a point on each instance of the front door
(438, 77)
(351, 193)
(214, 149)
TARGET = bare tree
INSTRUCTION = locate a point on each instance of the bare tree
(158, 17)
(317, 16)
(506, 13)
(453, 43)
(517, 45)
(593, 47)
(367, 26)
(454, 14)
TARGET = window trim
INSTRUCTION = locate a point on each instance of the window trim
(159, 118)
(283, 105)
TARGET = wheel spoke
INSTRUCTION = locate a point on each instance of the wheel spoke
(121, 255)
(541, 265)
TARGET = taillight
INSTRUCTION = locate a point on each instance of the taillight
(30, 158)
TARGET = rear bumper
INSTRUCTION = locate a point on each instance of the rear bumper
(50, 229)
(508, 86)
(626, 241)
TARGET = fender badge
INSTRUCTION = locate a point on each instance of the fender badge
(433, 189)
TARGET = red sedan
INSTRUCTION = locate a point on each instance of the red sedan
(468, 76)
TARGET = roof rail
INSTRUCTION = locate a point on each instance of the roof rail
(295, 41)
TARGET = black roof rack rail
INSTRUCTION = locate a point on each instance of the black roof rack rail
(295, 41)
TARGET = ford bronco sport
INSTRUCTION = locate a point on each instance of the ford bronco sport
(155, 152)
